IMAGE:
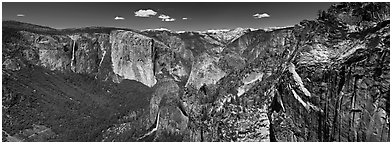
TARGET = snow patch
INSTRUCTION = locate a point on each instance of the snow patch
(249, 82)
(216, 31)
(276, 28)
(157, 29)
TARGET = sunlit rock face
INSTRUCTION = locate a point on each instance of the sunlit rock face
(172, 56)
(204, 71)
(249, 82)
(131, 55)
(257, 43)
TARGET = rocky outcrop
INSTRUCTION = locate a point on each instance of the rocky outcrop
(346, 97)
(204, 72)
(11, 64)
(167, 110)
(249, 81)
(88, 52)
(321, 101)
(258, 43)
(173, 57)
(47, 51)
(38, 133)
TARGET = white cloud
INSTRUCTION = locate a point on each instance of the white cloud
(145, 13)
(184, 18)
(166, 18)
(162, 16)
(119, 18)
(169, 19)
(264, 15)
(20, 15)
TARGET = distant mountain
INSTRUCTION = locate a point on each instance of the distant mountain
(226, 36)
(158, 29)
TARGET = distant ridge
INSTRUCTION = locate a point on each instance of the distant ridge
(17, 25)
(22, 26)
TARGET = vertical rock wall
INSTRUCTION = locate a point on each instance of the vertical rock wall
(132, 56)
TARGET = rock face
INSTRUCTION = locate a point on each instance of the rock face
(132, 56)
(115, 56)
(320, 80)
(330, 98)
(166, 105)
(339, 97)
(204, 72)
(249, 81)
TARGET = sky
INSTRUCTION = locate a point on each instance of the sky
(186, 16)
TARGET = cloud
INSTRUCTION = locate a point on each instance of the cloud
(162, 16)
(184, 18)
(169, 19)
(145, 13)
(264, 15)
(166, 18)
(20, 15)
(119, 18)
